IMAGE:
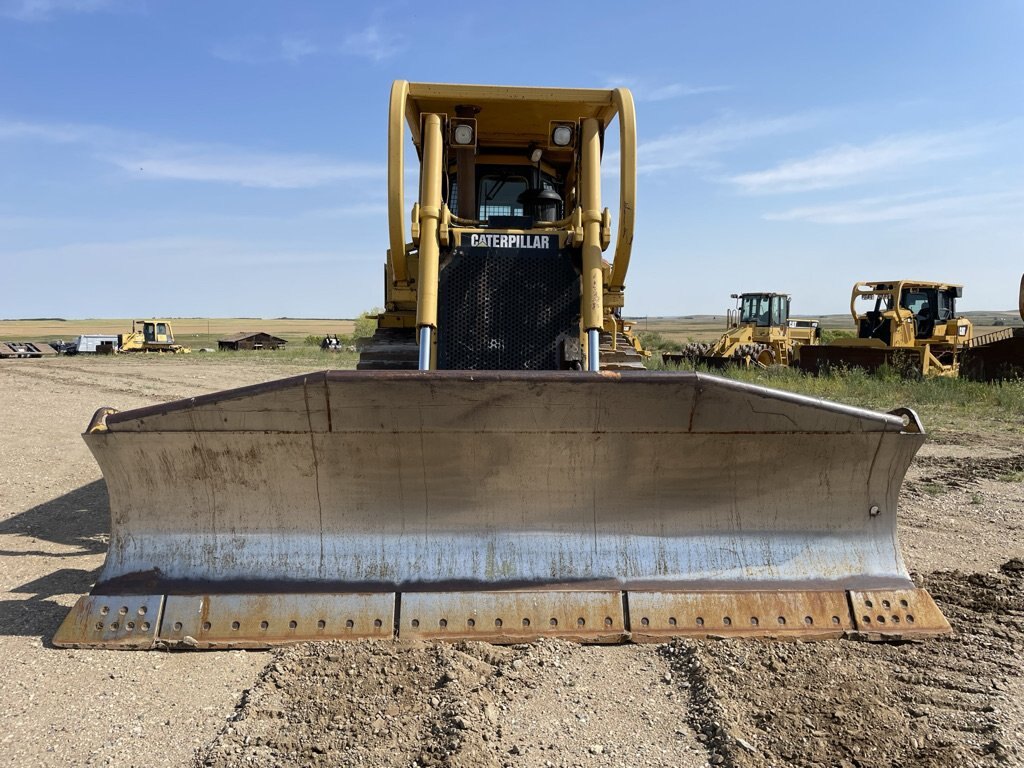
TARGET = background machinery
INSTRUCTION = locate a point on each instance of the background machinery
(998, 355)
(469, 481)
(759, 331)
(908, 325)
(150, 336)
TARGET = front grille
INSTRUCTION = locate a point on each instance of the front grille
(504, 309)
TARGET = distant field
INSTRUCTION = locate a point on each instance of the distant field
(197, 332)
(194, 332)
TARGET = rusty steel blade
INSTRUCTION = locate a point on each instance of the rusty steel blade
(513, 617)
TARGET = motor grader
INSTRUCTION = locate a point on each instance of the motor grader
(911, 326)
(759, 332)
(513, 485)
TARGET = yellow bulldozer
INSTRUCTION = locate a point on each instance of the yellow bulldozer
(759, 332)
(911, 326)
(516, 483)
(150, 336)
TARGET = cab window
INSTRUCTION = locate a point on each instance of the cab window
(756, 310)
(499, 195)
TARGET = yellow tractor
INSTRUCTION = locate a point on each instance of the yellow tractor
(759, 331)
(910, 326)
(150, 336)
(511, 486)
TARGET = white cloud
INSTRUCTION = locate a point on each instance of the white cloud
(852, 164)
(920, 206)
(264, 50)
(183, 251)
(372, 44)
(353, 211)
(56, 133)
(369, 43)
(698, 146)
(295, 48)
(247, 169)
(646, 92)
(44, 10)
(148, 157)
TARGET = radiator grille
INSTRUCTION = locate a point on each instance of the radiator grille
(504, 309)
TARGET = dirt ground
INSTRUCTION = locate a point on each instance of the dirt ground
(957, 701)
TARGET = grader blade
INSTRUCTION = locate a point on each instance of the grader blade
(499, 506)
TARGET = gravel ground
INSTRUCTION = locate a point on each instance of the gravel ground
(948, 702)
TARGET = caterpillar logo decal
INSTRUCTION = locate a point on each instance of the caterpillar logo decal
(535, 242)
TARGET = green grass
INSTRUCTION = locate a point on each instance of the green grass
(938, 400)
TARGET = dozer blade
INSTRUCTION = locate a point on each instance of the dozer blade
(502, 507)
(908, 361)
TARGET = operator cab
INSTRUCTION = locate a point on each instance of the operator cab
(512, 196)
(154, 331)
(764, 309)
(929, 306)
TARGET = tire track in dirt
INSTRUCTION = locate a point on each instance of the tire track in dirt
(104, 381)
(951, 702)
(961, 472)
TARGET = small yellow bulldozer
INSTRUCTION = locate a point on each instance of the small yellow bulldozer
(151, 336)
(910, 326)
(498, 469)
(759, 332)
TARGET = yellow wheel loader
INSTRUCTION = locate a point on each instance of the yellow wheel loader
(908, 325)
(150, 336)
(512, 485)
(759, 331)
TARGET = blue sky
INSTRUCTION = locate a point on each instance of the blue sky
(227, 158)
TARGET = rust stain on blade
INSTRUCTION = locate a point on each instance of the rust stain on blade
(655, 616)
(513, 617)
(897, 613)
(261, 621)
(111, 621)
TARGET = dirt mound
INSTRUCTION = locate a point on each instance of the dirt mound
(378, 703)
(375, 702)
(954, 701)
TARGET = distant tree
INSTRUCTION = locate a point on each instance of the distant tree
(366, 323)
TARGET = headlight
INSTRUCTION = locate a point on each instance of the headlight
(561, 136)
(463, 134)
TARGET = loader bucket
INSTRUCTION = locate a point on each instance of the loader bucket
(502, 507)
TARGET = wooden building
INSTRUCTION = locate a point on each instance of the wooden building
(250, 340)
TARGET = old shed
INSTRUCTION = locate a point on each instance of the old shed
(250, 340)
